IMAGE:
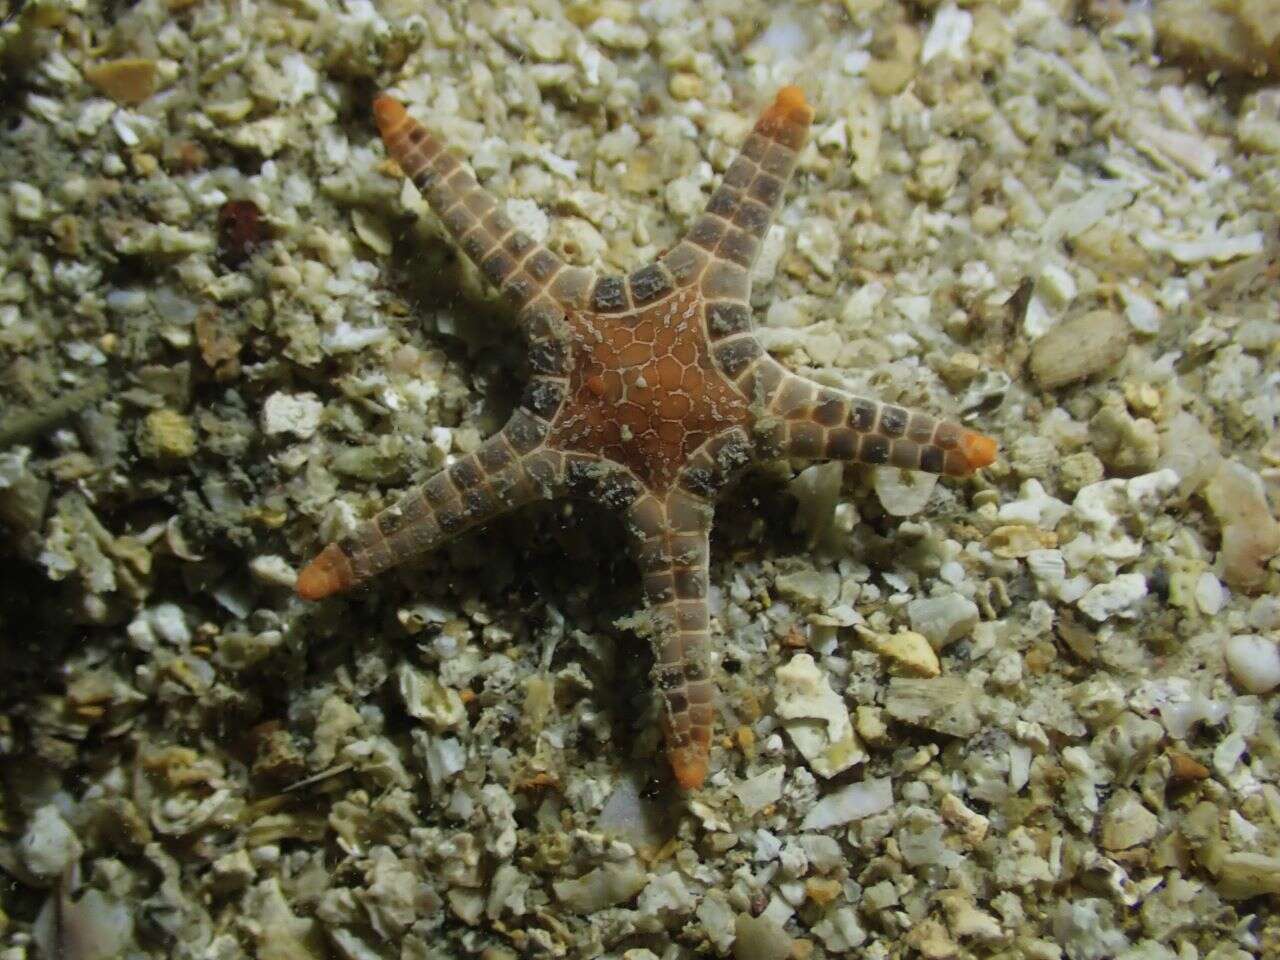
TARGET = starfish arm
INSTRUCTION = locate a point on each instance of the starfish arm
(520, 267)
(672, 550)
(724, 242)
(510, 469)
(803, 419)
(715, 463)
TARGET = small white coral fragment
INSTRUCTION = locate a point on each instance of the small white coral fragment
(267, 136)
(840, 931)
(973, 826)
(717, 919)
(815, 717)
(756, 793)
(1117, 596)
(966, 921)
(278, 931)
(1209, 248)
(49, 844)
(948, 34)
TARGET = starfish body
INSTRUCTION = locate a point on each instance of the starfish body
(648, 393)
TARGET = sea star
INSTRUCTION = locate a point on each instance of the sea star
(649, 393)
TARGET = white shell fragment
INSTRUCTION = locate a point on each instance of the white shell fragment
(756, 793)
(273, 569)
(1117, 596)
(1143, 315)
(816, 717)
(948, 34)
(852, 802)
(943, 620)
(945, 704)
(605, 886)
(49, 844)
(426, 698)
(903, 493)
(1057, 284)
(1188, 150)
(1208, 248)
(1247, 874)
(298, 414)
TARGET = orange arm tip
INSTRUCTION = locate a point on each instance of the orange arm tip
(979, 450)
(327, 574)
(388, 113)
(790, 105)
(689, 768)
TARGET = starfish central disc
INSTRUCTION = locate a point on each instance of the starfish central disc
(644, 391)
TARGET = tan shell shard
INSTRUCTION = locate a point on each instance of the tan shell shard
(1079, 348)
(129, 81)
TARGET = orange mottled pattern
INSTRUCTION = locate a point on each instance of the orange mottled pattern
(644, 391)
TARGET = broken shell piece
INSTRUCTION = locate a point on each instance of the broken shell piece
(88, 925)
(759, 791)
(427, 699)
(50, 845)
(944, 704)
(1244, 875)
(852, 802)
(1115, 597)
(1186, 769)
(944, 619)
(1079, 348)
(816, 718)
(298, 414)
(605, 886)
(903, 493)
(128, 81)
(1016, 541)
(905, 649)
(972, 825)
(1127, 823)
